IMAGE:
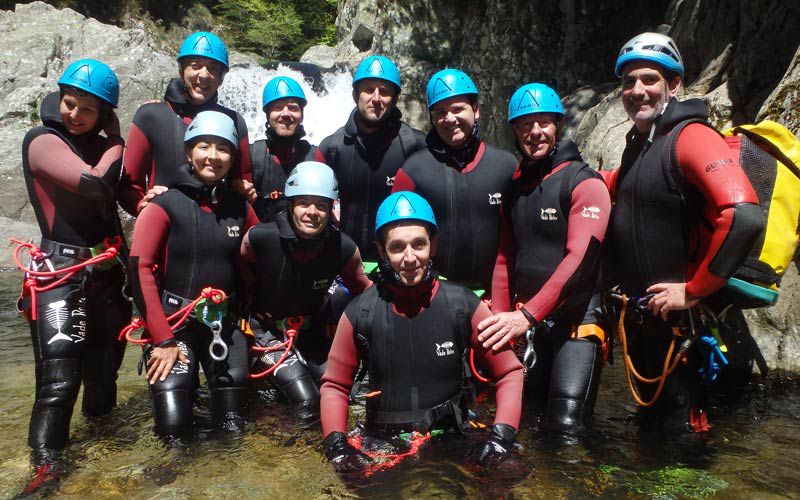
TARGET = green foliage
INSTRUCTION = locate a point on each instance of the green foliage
(277, 29)
(272, 29)
(674, 481)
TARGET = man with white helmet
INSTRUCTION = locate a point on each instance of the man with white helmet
(292, 262)
(672, 245)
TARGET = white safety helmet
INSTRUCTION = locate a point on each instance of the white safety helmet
(214, 124)
(312, 178)
(653, 47)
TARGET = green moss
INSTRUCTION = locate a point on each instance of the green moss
(675, 481)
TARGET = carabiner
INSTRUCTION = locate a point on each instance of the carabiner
(529, 358)
(217, 342)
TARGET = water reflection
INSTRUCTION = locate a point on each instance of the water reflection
(752, 452)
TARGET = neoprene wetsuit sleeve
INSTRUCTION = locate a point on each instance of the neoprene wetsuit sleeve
(402, 182)
(610, 178)
(585, 233)
(338, 379)
(136, 164)
(147, 251)
(52, 159)
(503, 266)
(318, 156)
(731, 208)
(242, 167)
(247, 258)
(504, 368)
(353, 275)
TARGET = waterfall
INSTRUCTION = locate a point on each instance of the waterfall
(325, 112)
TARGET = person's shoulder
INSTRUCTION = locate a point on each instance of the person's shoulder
(453, 289)
(503, 155)
(326, 142)
(150, 111)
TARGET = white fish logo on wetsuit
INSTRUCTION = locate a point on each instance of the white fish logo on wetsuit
(549, 214)
(495, 198)
(57, 315)
(389, 181)
(445, 349)
(591, 212)
(233, 231)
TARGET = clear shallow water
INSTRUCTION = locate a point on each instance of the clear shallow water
(752, 452)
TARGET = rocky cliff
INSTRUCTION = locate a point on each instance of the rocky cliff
(742, 58)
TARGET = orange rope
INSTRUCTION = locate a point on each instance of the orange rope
(630, 370)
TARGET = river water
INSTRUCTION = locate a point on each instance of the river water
(752, 452)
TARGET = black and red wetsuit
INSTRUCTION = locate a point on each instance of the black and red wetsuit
(72, 182)
(466, 189)
(655, 236)
(415, 358)
(365, 166)
(184, 241)
(292, 277)
(554, 223)
(155, 147)
(273, 159)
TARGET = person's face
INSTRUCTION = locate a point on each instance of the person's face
(211, 158)
(310, 215)
(645, 92)
(454, 120)
(408, 249)
(284, 116)
(536, 134)
(374, 100)
(202, 77)
(79, 113)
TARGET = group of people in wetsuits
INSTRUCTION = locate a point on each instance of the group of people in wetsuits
(417, 259)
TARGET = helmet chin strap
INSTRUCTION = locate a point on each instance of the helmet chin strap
(393, 277)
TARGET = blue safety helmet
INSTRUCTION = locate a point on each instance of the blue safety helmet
(204, 44)
(282, 87)
(379, 67)
(92, 77)
(404, 205)
(449, 83)
(653, 47)
(534, 98)
(312, 178)
(214, 124)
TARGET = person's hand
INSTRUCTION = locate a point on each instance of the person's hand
(111, 125)
(497, 330)
(343, 456)
(161, 361)
(499, 445)
(246, 189)
(151, 193)
(669, 297)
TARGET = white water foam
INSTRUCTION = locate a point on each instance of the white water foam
(324, 113)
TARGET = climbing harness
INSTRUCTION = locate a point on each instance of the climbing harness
(209, 299)
(639, 305)
(35, 276)
(293, 325)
